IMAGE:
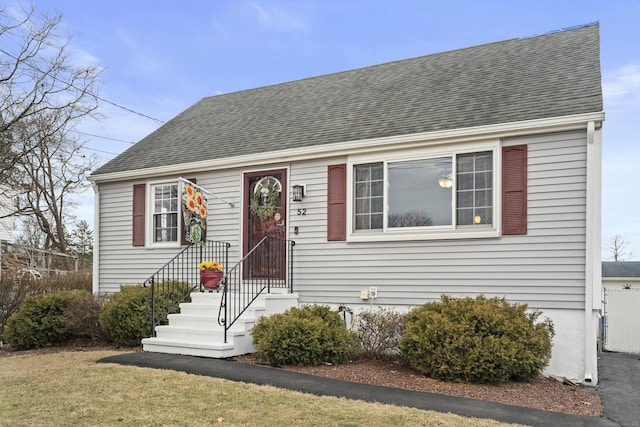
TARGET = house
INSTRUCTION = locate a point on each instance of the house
(6, 222)
(472, 171)
(621, 306)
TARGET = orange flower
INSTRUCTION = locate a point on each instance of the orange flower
(188, 188)
(203, 212)
(191, 204)
(199, 199)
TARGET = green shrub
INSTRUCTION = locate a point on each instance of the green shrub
(14, 288)
(310, 335)
(13, 291)
(40, 321)
(379, 332)
(168, 296)
(125, 317)
(478, 340)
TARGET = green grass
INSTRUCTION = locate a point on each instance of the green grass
(71, 389)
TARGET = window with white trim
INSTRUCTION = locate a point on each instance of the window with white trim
(444, 192)
(165, 205)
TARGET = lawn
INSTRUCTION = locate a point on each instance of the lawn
(71, 389)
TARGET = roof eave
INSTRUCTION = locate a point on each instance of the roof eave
(501, 130)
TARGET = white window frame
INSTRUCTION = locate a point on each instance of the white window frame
(149, 215)
(425, 233)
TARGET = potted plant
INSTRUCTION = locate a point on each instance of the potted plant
(210, 274)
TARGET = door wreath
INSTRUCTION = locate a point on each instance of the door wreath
(264, 199)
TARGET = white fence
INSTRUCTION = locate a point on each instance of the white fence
(622, 320)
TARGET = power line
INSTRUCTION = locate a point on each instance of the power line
(105, 137)
(128, 109)
(96, 96)
(99, 151)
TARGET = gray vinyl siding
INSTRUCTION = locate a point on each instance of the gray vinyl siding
(121, 263)
(545, 268)
(6, 224)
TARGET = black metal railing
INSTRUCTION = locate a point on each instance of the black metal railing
(173, 283)
(269, 265)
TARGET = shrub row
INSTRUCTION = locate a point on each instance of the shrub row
(15, 288)
(54, 318)
(477, 340)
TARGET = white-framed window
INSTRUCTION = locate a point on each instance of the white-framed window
(425, 194)
(165, 205)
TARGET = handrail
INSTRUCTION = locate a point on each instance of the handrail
(173, 282)
(268, 265)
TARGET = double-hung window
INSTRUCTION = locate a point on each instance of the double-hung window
(165, 205)
(425, 194)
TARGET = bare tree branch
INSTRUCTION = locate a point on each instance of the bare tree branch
(42, 97)
(617, 248)
(37, 77)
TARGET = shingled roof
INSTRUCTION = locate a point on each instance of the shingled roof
(550, 75)
(621, 269)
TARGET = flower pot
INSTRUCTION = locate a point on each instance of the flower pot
(210, 278)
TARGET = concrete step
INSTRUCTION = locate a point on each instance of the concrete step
(217, 350)
(198, 321)
(198, 334)
(195, 330)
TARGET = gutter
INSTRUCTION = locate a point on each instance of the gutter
(96, 239)
(593, 264)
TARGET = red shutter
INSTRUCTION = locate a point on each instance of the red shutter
(514, 190)
(183, 240)
(337, 202)
(138, 214)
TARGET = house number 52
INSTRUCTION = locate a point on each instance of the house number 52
(302, 211)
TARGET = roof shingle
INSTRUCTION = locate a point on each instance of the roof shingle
(621, 269)
(545, 76)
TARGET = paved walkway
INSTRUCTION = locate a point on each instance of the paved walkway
(615, 413)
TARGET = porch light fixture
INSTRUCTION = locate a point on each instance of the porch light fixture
(297, 192)
(445, 181)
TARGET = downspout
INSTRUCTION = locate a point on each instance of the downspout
(593, 264)
(96, 238)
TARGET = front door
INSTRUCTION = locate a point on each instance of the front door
(265, 214)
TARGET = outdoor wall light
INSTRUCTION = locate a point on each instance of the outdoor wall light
(297, 192)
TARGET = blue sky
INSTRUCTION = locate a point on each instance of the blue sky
(160, 57)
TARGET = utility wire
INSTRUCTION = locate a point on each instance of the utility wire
(96, 96)
(99, 151)
(105, 137)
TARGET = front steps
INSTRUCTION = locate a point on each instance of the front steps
(195, 330)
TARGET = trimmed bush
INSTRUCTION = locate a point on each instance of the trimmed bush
(125, 317)
(14, 288)
(477, 340)
(310, 335)
(169, 295)
(379, 332)
(40, 321)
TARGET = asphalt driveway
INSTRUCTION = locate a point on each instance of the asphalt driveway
(619, 387)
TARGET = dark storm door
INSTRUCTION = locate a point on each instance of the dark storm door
(265, 214)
